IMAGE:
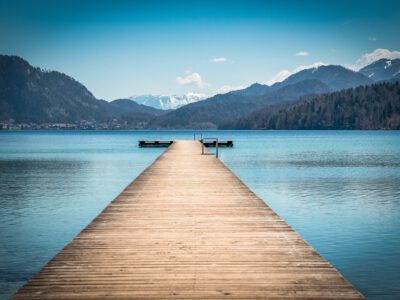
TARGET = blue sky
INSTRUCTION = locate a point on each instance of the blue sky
(123, 48)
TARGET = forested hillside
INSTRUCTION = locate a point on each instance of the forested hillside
(375, 106)
(217, 110)
(309, 99)
(32, 95)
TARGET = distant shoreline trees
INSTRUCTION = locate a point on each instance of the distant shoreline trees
(375, 106)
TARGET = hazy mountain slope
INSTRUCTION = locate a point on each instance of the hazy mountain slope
(335, 77)
(382, 70)
(294, 91)
(224, 108)
(207, 113)
(368, 107)
(256, 89)
(395, 78)
(122, 107)
(219, 109)
(29, 94)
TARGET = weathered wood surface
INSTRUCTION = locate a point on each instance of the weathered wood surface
(187, 228)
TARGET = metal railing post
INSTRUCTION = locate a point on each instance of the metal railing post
(215, 141)
(195, 134)
(216, 150)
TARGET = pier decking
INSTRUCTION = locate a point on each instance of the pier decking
(187, 228)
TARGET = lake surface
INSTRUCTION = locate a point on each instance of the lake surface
(339, 189)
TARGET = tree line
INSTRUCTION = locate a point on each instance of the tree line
(374, 106)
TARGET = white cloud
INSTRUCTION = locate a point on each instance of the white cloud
(218, 59)
(283, 74)
(372, 39)
(302, 53)
(228, 88)
(368, 58)
(191, 79)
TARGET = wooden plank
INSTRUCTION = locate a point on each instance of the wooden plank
(188, 228)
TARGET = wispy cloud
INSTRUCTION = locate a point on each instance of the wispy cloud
(228, 88)
(218, 59)
(191, 79)
(369, 58)
(283, 74)
(302, 53)
(372, 39)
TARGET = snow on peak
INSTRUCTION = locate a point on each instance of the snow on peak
(369, 58)
(168, 101)
(283, 74)
(388, 64)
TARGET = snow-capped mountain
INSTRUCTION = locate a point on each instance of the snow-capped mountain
(334, 77)
(168, 101)
(383, 69)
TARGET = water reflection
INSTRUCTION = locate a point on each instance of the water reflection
(339, 190)
(342, 196)
(51, 186)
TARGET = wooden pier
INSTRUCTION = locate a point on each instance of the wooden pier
(188, 228)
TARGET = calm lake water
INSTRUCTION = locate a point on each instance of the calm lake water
(339, 190)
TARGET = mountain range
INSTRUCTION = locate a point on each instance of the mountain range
(168, 101)
(383, 70)
(220, 109)
(210, 113)
(31, 95)
(334, 77)
(375, 106)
